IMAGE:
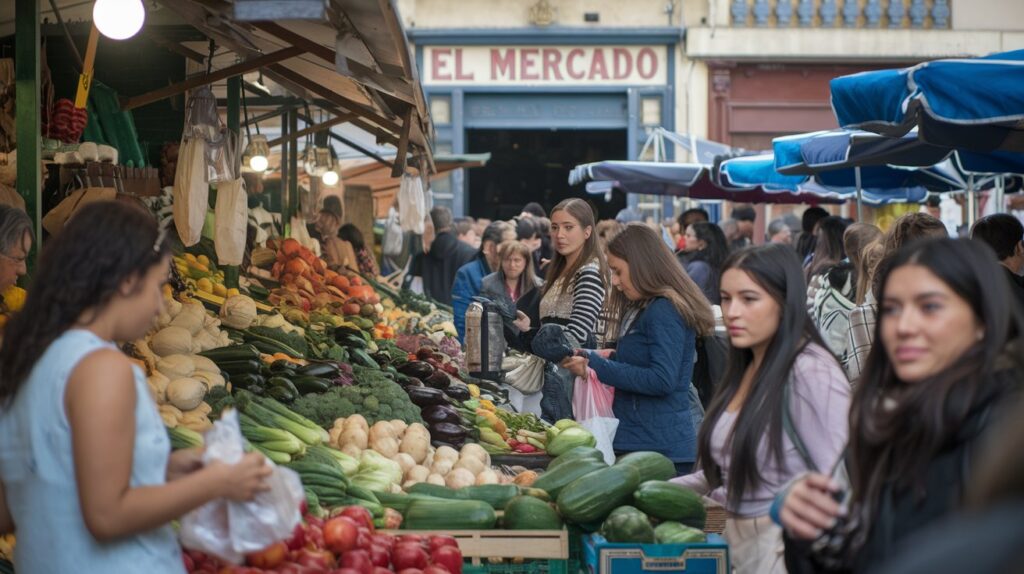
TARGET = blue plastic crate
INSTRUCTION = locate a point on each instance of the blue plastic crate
(603, 557)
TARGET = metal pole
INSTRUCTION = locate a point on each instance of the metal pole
(26, 74)
(1000, 193)
(860, 194)
(293, 167)
(234, 124)
(971, 201)
(285, 164)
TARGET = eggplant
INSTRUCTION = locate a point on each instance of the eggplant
(425, 396)
(458, 392)
(441, 414)
(438, 380)
(418, 369)
(448, 432)
(410, 382)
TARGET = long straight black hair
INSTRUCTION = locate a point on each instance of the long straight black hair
(81, 270)
(894, 445)
(776, 269)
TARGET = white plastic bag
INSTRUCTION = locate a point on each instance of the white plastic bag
(228, 529)
(232, 222)
(412, 205)
(191, 192)
(592, 407)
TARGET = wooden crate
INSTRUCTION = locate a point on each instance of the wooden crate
(477, 545)
(717, 515)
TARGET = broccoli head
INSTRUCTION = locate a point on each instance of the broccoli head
(371, 404)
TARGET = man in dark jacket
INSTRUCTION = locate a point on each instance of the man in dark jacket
(446, 255)
(1004, 233)
(469, 277)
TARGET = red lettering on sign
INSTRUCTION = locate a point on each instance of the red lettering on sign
(527, 63)
(459, 74)
(438, 65)
(570, 64)
(598, 66)
(552, 61)
(622, 63)
(503, 66)
(648, 57)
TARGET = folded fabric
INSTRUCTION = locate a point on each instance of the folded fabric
(553, 343)
(504, 305)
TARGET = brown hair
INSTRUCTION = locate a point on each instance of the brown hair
(856, 239)
(655, 272)
(607, 230)
(528, 280)
(906, 229)
(590, 251)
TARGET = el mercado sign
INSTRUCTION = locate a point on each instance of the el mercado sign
(545, 65)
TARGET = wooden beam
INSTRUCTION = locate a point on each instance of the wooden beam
(172, 46)
(336, 98)
(26, 124)
(311, 130)
(216, 75)
(403, 146)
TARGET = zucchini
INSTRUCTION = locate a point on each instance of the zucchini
(401, 502)
(650, 465)
(283, 382)
(306, 384)
(232, 353)
(497, 495)
(246, 381)
(361, 357)
(425, 514)
(628, 527)
(591, 497)
(362, 493)
(579, 452)
(275, 456)
(434, 490)
(283, 366)
(281, 394)
(676, 533)
(232, 368)
(258, 340)
(670, 502)
(321, 370)
(553, 481)
(529, 513)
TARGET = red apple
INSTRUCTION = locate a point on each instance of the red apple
(341, 534)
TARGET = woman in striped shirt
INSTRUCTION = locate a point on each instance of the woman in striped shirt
(573, 295)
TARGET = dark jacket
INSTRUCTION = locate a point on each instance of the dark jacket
(651, 372)
(902, 512)
(467, 285)
(493, 287)
(705, 277)
(1016, 285)
(447, 254)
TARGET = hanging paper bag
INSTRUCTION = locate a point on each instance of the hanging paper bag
(232, 222)
(55, 220)
(592, 406)
(191, 192)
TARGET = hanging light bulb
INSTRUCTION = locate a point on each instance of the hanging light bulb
(327, 158)
(257, 152)
(330, 177)
(118, 19)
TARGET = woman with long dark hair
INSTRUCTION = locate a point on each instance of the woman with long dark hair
(655, 313)
(780, 409)
(949, 358)
(83, 451)
(828, 252)
(573, 293)
(705, 251)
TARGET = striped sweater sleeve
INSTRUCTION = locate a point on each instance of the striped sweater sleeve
(587, 301)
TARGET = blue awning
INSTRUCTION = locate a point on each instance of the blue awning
(972, 103)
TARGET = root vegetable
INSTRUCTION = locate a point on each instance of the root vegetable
(442, 467)
(476, 451)
(436, 479)
(487, 477)
(405, 461)
(399, 427)
(525, 478)
(471, 464)
(381, 430)
(339, 423)
(335, 434)
(357, 421)
(388, 447)
(354, 436)
(459, 478)
(415, 446)
(447, 453)
(418, 474)
(352, 450)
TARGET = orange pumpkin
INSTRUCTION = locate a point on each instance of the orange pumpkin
(340, 282)
(296, 267)
(291, 247)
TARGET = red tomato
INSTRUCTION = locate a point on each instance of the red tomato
(361, 515)
(441, 541)
(314, 521)
(411, 571)
(358, 560)
(269, 557)
(409, 555)
(340, 534)
(379, 570)
(384, 540)
(345, 571)
(364, 539)
(380, 556)
(410, 538)
(319, 559)
(298, 539)
(435, 569)
(449, 557)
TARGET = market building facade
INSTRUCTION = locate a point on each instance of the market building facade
(543, 84)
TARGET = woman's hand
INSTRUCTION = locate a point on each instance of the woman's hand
(183, 462)
(605, 353)
(522, 321)
(809, 508)
(245, 479)
(576, 365)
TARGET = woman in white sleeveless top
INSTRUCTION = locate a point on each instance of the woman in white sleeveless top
(87, 479)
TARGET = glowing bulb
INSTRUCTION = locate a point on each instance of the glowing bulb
(330, 177)
(258, 163)
(118, 19)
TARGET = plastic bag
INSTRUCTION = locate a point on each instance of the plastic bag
(412, 205)
(592, 405)
(229, 529)
(232, 222)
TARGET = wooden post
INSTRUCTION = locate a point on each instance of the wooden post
(285, 164)
(293, 165)
(234, 123)
(27, 77)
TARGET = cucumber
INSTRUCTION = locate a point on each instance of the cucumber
(434, 490)
(425, 514)
(591, 497)
(401, 502)
(676, 533)
(529, 513)
(232, 353)
(497, 495)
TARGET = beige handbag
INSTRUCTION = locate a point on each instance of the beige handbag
(524, 372)
(58, 217)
